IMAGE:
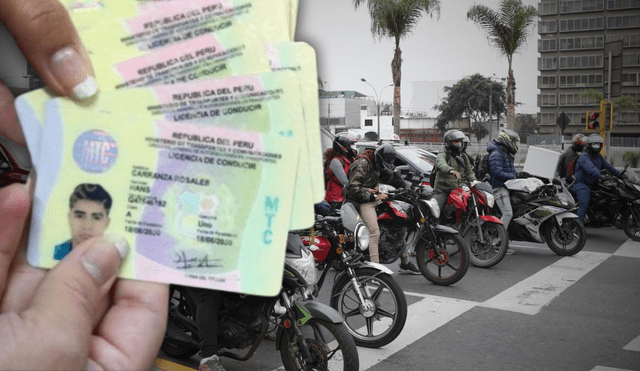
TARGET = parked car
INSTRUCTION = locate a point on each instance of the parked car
(15, 163)
(413, 162)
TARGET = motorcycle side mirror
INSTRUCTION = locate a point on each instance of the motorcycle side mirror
(459, 160)
(569, 179)
(486, 178)
(556, 181)
(403, 169)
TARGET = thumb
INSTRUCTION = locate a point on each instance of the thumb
(68, 299)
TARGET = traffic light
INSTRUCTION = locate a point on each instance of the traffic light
(593, 122)
(607, 115)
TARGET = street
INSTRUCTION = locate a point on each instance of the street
(533, 311)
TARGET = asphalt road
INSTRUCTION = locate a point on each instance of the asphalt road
(533, 311)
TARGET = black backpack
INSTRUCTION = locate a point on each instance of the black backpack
(481, 164)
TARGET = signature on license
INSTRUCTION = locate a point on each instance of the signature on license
(183, 261)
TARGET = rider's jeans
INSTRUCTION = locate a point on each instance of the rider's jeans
(501, 194)
(370, 218)
(583, 194)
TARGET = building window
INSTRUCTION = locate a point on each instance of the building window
(582, 24)
(577, 6)
(547, 81)
(574, 100)
(547, 27)
(547, 45)
(623, 21)
(583, 61)
(630, 60)
(548, 8)
(581, 81)
(622, 4)
(548, 118)
(628, 40)
(548, 63)
(630, 79)
(546, 100)
(582, 43)
(368, 122)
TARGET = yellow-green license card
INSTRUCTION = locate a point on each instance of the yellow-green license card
(197, 202)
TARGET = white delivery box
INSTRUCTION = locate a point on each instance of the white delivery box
(541, 162)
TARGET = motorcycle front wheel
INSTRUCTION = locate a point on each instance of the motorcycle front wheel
(444, 261)
(331, 347)
(381, 318)
(631, 226)
(491, 249)
(568, 239)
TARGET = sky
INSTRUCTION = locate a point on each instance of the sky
(446, 48)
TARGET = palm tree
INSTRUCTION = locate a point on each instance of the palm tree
(396, 19)
(507, 29)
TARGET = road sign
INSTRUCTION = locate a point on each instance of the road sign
(562, 121)
(612, 71)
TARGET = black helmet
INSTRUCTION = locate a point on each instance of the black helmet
(578, 142)
(465, 143)
(453, 135)
(594, 144)
(510, 139)
(384, 157)
(342, 144)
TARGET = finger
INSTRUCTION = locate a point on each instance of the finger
(45, 34)
(9, 125)
(68, 300)
(14, 211)
(138, 305)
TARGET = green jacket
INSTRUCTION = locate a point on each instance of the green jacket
(363, 175)
(447, 182)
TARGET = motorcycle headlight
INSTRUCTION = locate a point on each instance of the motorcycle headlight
(305, 265)
(362, 237)
(490, 199)
(433, 205)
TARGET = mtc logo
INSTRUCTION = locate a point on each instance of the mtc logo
(270, 210)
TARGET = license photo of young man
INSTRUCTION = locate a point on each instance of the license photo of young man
(88, 216)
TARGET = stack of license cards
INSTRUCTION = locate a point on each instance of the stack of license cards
(202, 148)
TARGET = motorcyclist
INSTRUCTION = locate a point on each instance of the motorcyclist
(587, 172)
(338, 159)
(365, 173)
(449, 172)
(207, 308)
(570, 156)
(501, 168)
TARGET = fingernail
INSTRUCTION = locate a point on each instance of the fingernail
(121, 244)
(69, 68)
(101, 262)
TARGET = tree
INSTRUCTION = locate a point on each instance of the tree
(526, 124)
(624, 101)
(469, 97)
(507, 30)
(396, 19)
(479, 130)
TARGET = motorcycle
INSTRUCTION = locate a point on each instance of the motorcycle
(467, 210)
(409, 216)
(309, 335)
(365, 294)
(542, 213)
(616, 199)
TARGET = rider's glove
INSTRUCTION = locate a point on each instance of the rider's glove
(522, 175)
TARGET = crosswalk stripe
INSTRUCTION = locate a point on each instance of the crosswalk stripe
(634, 345)
(629, 249)
(530, 295)
(424, 316)
(603, 368)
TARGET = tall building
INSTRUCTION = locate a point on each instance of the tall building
(572, 40)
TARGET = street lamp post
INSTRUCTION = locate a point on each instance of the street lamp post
(328, 107)
(490, 106)
(377, 101)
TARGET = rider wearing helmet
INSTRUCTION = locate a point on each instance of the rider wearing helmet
(587, 172)
(501, 168)
(448, 171)
(337, 162)
(369, 169)
(570, 156)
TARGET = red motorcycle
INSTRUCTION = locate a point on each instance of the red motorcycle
(467, 210)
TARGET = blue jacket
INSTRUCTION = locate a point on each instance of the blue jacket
(499, 169)
(588, 169)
